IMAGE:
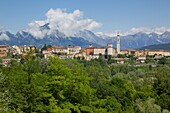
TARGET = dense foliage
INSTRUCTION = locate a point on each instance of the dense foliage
(77, 86)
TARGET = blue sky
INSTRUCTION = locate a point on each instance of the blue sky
(15, 15)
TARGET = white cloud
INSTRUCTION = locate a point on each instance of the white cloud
(147, 30)
(67, 23)
(4, 37)
(112, 34)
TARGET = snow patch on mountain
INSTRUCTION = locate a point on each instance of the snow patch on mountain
(159, 41)
(147, 30)
(3, 36)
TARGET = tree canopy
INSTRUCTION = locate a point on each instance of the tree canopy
(38, 85)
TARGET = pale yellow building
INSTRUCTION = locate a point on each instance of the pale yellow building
(3, 50)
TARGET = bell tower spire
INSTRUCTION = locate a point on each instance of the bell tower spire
(118, 43)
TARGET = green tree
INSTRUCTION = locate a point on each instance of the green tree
(146, 107)
(124, 92)
(161, 87)
(163, 61)
(68, 84)
(4, 94)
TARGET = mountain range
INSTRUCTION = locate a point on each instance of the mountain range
(83, 38)
(157, 47)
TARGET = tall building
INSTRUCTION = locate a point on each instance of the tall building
(118, 43)
(110, 49)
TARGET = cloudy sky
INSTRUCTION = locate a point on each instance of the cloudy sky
(69, 16)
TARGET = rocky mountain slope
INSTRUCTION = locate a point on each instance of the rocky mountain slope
(83, 38)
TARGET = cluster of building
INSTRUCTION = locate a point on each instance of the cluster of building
(15, 50)
(92, 52)
(6, 50)
(88, 53)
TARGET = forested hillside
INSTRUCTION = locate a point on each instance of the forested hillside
(157, 47)
(76, 86)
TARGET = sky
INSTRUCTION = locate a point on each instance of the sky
(108, 16)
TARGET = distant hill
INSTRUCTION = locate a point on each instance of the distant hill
(82, 38)
(157, 47)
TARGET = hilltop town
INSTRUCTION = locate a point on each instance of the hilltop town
(84, 56)
(57, 79)
(108, 53)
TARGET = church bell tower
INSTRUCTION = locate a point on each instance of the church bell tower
(118, 43)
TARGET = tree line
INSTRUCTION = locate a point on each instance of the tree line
(38, 85)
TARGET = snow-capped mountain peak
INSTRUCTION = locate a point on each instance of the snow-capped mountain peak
(82, 38)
